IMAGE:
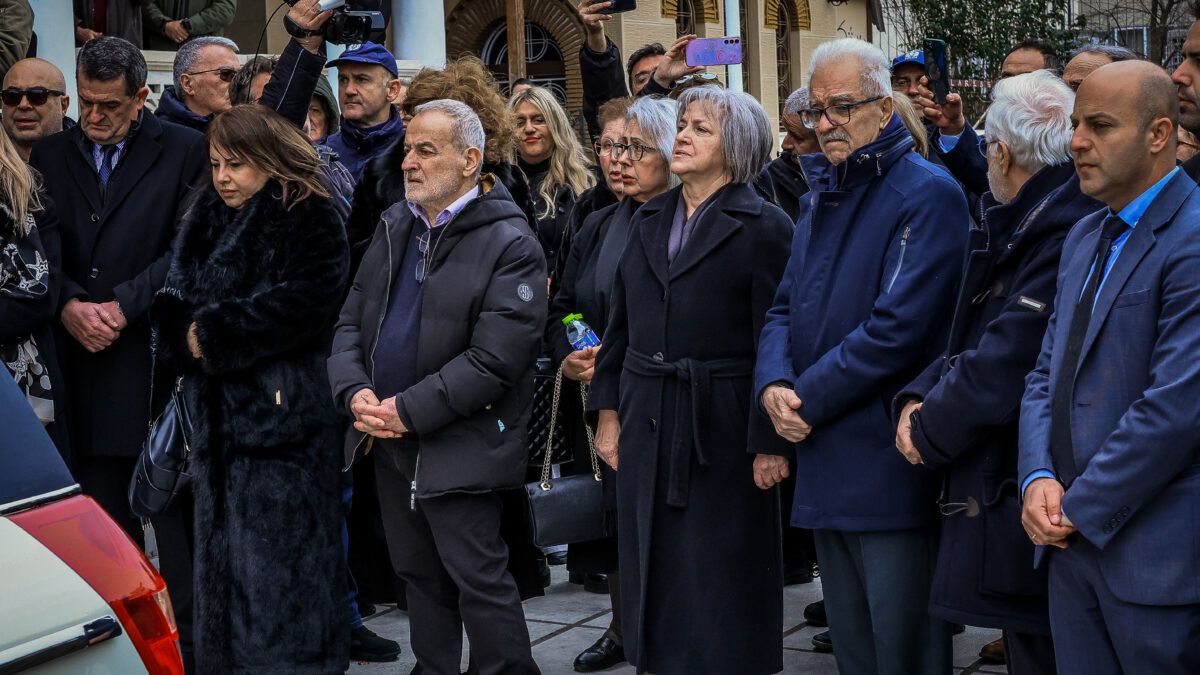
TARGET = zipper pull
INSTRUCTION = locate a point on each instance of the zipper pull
(904, 237)
(412, 497)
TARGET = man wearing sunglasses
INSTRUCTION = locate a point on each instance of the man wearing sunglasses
(35, 104)
(203, 69)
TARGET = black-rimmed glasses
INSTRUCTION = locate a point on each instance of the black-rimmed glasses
(36, 95)
(226, 74)
(636, 151)
(838, 115)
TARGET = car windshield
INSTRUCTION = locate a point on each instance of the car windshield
(30, 465)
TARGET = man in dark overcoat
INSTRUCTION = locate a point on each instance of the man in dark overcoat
(960, 415)
(120, 181)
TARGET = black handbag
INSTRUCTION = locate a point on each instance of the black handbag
(161, 471)
(567, 509)
(546, 429)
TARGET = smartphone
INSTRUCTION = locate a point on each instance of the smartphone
(619, 6)
(722, 51)
(935, 69)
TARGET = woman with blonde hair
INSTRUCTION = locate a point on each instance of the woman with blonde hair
(257, 276)
(29, 254)
(554, 161)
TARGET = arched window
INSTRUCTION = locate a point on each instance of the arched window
(543, 58)
(685, 18)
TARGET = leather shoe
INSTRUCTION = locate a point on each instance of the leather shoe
(367, 646)
(821, 642)
(606, 653)
(814, 614)
(595, 583)
(993, 652)
(557, 558)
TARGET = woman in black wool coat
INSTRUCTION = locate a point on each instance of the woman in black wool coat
(257, 276)
(698, 540)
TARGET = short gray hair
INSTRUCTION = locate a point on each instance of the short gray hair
(656, 117)
(746, 134)
(466, 130)
(875, 69)
(1031, 113)
(796, 102)
(1115, 53)
(190, 51)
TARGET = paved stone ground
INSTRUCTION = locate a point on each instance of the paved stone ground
(568, 620)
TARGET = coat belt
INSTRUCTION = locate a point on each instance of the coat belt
(691, 400)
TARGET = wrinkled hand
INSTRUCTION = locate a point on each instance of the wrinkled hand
(381, 421)
(781, 404)
(359, 403)
(175, 30)
(674, 63)
(85, 323)
(947, 116)
(904, 434)
(193, 342)
(608, 434)
(770, 470)
(308, 16)
(1042, 516)
(112, 315)
(580, 364)
(593, 19)
(84, 34)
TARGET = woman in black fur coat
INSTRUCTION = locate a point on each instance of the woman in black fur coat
(257, 276)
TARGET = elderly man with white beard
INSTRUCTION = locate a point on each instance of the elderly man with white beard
(960, 416)
(433, 365)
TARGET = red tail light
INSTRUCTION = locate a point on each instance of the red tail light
(80, 533)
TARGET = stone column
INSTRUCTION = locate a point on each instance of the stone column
(419, 32)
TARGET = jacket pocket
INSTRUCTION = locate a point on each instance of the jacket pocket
(1131, 299)
(1007, 552)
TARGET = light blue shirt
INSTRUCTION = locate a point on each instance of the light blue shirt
(948, 142)
(453, 210)
(98, 154)
(1131, 214)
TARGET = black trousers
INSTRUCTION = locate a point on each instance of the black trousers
(450, 553)
(1029, 654)
(106, 479)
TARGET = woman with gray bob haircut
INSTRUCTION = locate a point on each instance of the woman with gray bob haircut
(687, 302)
(655, 120)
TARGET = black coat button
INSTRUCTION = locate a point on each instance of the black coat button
(95, 272)
(95, 218)
(658, 356)
(653, 424)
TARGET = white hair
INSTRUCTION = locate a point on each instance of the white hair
(1031, 114)
(874, 67)
(190, 51)
(796, 102)
(466, 131)
(656, 119)
(746, 134)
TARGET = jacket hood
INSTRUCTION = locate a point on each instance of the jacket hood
(171, 107)
(864, 164)
(1049, 201)
(378, 136)
(325, 93)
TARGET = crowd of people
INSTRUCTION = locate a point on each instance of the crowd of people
(944, 364)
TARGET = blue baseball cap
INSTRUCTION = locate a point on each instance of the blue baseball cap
(368, 52)
(916, 56)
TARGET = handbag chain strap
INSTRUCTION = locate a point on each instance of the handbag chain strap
(591, 437)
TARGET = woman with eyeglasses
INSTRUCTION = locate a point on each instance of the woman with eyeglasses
(553, 160)
(699, 541)
(640, 161)
(256, 279)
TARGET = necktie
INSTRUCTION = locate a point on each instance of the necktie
(1061, 447)
(106, 155)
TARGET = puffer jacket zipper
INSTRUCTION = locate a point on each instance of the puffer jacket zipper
(387, 291)
(900, 259)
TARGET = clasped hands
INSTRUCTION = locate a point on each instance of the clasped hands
(1042, 515)
(374, 417)
(96, 325)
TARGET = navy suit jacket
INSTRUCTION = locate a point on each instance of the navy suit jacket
(1134, 421)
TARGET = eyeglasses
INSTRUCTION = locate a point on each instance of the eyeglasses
(983, 146)
(704, 77)
(226, 74)
(36, 95)
(837, 115)
(636, 151)
(604, 147)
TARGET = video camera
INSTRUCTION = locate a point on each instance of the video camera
(352, 22)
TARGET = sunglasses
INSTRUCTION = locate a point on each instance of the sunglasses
(36, 95)
(226, 74)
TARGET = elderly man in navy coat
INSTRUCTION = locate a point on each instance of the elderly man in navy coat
(874, 266)
(1110, 446)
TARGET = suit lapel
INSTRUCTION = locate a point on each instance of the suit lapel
(83, 172)
(654, 231)
(142, 151)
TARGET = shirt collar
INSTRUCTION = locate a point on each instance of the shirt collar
(1134, 211)
(453, 210)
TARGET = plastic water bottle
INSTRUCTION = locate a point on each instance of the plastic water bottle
(579, 334)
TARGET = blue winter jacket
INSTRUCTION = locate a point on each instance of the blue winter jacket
(355, 146)
(864, 305)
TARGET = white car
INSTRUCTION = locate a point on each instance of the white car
(76, 593)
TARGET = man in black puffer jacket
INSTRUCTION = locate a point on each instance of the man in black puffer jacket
(433, 358)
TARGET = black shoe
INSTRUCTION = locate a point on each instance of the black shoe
(367, 646)
(595, 583)
(366, 609)
(821, 642)
(544, 572)
(604, 654)
(958, 629)
(557, 558)
(814, 614)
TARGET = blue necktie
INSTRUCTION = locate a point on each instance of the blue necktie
(106, 169)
